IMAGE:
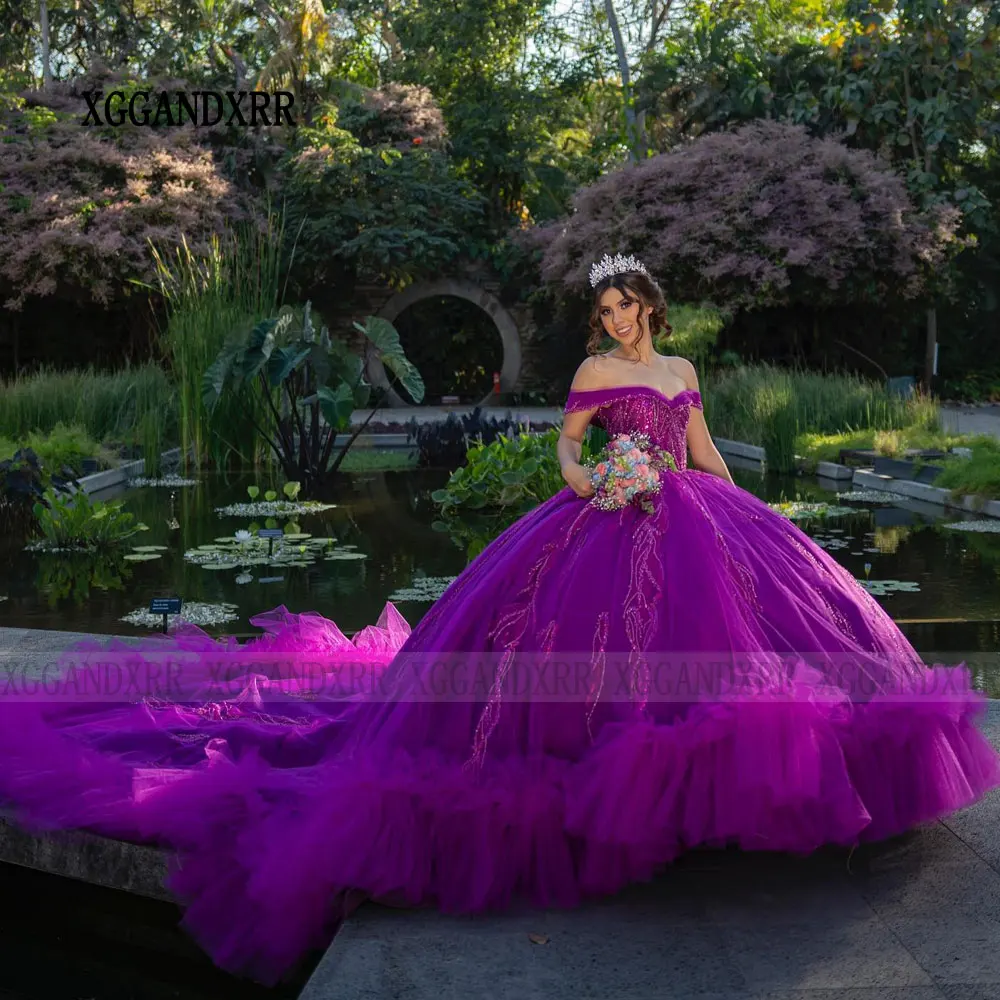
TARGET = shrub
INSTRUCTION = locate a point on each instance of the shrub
(23, 484)
(511, 474)
(392, 210)
(763, 215)
(63, 448)
(79, 205)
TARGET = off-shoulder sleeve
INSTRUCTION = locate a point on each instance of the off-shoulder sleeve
(590, 399)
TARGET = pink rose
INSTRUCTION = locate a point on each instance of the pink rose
(642, 470)
(635, 455)
(602, 468)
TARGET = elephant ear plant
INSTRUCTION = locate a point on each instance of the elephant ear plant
(307, 385)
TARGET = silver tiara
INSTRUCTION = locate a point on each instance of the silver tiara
(608, 265)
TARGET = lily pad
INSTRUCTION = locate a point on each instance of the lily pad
(990, 526)
(339, 555)
(196, 613)
(797, 510)
(881, 588)
(149, 548)
(142, 556)
(423, 588)
(871, 496)
(274, 508)
(170, 481)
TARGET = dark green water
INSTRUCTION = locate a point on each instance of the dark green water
(955, 605)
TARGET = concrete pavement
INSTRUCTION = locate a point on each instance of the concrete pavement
(917, 918)
(959, 419)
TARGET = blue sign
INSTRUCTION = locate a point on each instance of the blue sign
(165, 605)
(270, 533)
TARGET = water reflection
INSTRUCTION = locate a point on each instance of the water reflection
(389, 517)
(74, 577)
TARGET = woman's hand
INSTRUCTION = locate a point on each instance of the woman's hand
(578, 479)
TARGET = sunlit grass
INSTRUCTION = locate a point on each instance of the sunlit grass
(979, 475)
(771, 406)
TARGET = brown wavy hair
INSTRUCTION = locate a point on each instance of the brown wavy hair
(640, 286)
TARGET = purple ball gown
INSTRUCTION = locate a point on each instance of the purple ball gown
(721, 680)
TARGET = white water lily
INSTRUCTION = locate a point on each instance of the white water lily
(244, 578)
(243, 536)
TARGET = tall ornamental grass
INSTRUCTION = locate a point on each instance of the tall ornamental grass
(108, 406)
(210, 299)
(769, 406)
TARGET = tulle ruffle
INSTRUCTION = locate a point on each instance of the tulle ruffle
(418, 828)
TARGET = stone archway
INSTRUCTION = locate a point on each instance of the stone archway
(510, 370)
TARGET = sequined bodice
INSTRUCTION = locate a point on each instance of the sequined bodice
(641, 408)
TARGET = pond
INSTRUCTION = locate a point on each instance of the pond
(940, 584)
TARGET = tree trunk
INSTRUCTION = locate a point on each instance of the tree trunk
(931, 349)
(631, 125)
(43, 22)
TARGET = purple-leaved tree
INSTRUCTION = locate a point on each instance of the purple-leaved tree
(78, 206)
(765, 215)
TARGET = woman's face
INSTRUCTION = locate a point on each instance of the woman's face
(622, 316)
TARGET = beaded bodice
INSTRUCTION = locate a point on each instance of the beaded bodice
(641, 409)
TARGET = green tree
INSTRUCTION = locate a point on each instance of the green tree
(918, 81)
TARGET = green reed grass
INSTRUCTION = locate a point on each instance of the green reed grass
(209, 300)
(769, 406)
(108, 406)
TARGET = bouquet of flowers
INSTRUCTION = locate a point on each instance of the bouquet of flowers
(629, 472)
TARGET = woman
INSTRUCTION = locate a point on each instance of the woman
(598, 691)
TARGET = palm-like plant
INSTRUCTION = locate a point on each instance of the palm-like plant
(301, 41)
